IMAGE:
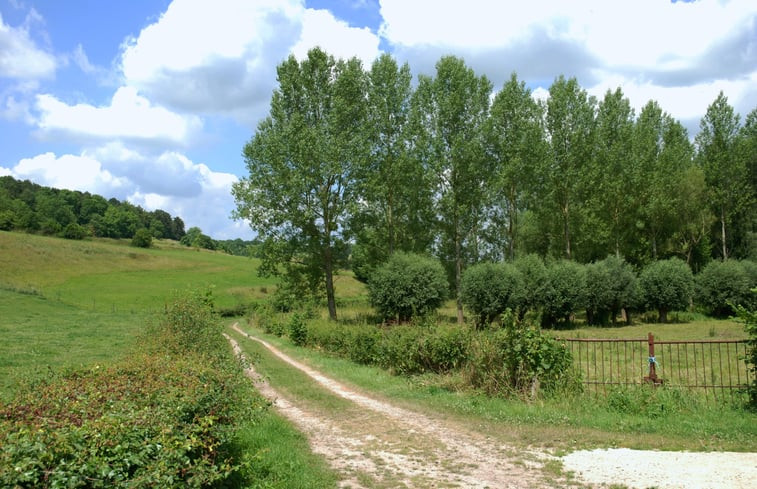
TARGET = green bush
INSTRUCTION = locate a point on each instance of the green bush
(534, 278)
(564, 293)
(667, 285)
(721, 285)
(165, 417)
(142, 238)
(408, 285)
(74, 231)
(610, 286)
(520, 360)
(488, 289)
(749, 318)
(298, 330)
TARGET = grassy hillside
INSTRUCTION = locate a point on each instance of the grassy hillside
(71, 303)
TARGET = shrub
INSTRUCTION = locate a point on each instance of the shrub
(298, 331)
(407, 285)
(749, 318)
(488, 289)
(520, 360)
(534, 278)
(564, 293)
(610, 286)
(667, 285)
(165, 417)
(721, 285)
(142, 238)
(74, 231)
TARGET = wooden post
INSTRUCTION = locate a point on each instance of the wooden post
(652, 377)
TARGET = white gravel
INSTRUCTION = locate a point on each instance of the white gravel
(642, 469)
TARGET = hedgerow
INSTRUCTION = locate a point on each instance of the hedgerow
(165, 417)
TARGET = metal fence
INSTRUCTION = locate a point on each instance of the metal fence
(715, 367)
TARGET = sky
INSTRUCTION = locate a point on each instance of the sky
(152, 101)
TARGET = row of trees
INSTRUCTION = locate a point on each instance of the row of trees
(354, 163)
(27, 206)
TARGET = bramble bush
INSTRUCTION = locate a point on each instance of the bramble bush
(408, 285)
(164, 417)
(749, 318)
(488, 289)
(520, 360)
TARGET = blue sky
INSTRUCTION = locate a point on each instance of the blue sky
(153, 100)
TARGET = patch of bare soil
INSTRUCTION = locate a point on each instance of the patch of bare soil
(381, 445)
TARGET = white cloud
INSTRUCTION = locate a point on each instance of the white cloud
(680, 54)
(221, 57)
(213, 57)
(129, 116)
(19, 55)
(321, 28)
(74, 172)
(169, 181)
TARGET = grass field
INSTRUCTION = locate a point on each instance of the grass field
(72, 303)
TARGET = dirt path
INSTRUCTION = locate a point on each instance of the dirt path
(379, 445)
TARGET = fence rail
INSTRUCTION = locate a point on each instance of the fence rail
(713, 366)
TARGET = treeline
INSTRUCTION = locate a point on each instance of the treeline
(353, 164)
(27, 206)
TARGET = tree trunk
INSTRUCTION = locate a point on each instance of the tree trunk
(722, 232)
(458, 276)
(566, 228)
(663, 315)
(329, 269)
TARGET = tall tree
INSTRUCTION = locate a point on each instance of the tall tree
(570, 126)
(612, 194)
(516, 144)
(450, 110)
(302, 160)
(394, 210)
(724, 169)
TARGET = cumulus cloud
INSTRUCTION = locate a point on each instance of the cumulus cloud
(20, 57)
(129, 116)
(336, 37)
(221, 57)
(213, 57)
(681, 54)
(168, 181)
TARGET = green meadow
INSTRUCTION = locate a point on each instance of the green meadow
(67, 304)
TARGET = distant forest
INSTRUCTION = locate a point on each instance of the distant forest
(29, 207)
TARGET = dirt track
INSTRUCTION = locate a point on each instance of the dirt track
(382, 445)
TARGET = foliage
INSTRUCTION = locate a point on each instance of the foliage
(142, 238)
(26, 206)
(298, 331)
(723, 285)
(533, 273)
(749, 318)
(74, 231)
(520, 360)
(407, 285)
(667, 285)
(488, 289)
(196, 239)
(164, 417)
(564, 293)
(610, 286)
(395, 211)
(302, 161)
(449, 111)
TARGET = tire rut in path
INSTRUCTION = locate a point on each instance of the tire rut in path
(389, 446)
